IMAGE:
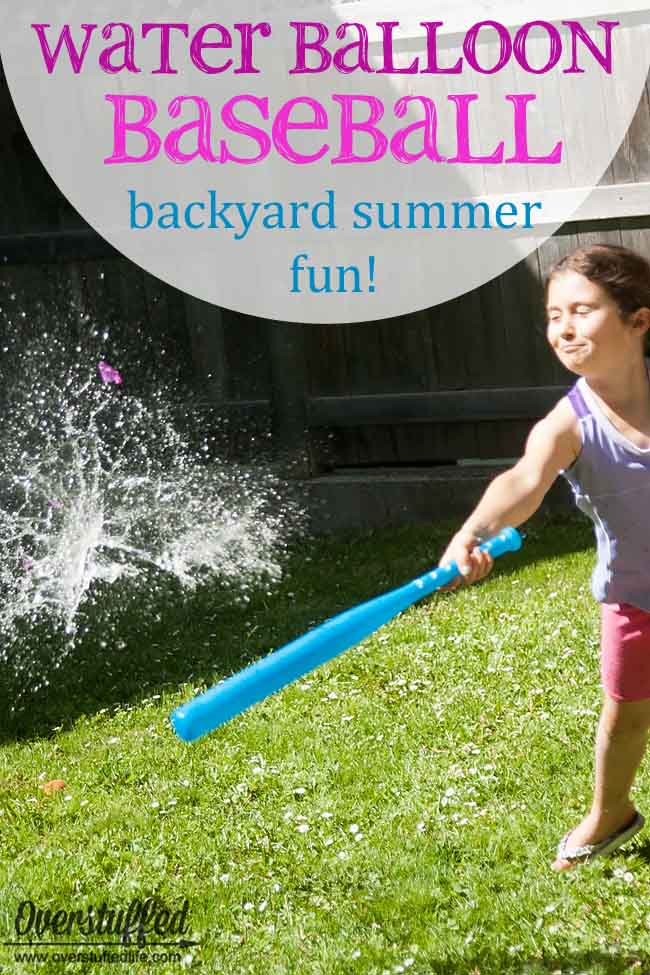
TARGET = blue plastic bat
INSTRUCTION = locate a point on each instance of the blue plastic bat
(251, 685)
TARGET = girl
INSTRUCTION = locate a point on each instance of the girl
(598, 437)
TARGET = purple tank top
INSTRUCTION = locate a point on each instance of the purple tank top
(610, 479)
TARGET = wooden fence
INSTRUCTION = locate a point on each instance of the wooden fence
(459, 381)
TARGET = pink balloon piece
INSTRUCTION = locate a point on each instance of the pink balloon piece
(109, 374)
(54, 503)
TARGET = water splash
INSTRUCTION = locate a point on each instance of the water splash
(99, 485)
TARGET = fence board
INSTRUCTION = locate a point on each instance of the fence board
(206, 329)
(419, 389)
(510, 403)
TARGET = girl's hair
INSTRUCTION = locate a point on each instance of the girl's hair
(622, 273)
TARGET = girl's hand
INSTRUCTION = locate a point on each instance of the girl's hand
(473, 563)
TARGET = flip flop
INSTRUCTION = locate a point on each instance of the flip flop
(584, 854)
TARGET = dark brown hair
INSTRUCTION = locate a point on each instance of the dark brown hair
(622, 273)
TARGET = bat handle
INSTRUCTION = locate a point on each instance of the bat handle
(507, 540)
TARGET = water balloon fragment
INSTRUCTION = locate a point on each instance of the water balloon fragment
(110, 375)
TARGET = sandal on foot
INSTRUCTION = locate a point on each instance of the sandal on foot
(586, 853)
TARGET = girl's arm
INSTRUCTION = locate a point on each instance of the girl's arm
(512, 497)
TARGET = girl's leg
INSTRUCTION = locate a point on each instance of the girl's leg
(620, 745)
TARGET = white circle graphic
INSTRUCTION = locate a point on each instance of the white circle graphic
(339, 162)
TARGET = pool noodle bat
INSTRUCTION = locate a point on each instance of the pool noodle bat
(241, 691)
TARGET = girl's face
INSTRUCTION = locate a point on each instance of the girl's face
(585, 327)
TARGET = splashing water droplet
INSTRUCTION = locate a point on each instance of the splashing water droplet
(102, 488)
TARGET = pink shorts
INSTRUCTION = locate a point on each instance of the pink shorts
(625, 651)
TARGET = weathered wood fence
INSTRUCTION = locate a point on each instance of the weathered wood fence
(457, 382)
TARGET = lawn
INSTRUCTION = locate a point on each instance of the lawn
(395, 811)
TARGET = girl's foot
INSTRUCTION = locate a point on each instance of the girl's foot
(592, 831)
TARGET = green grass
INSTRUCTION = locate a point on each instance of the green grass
(397, 810)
